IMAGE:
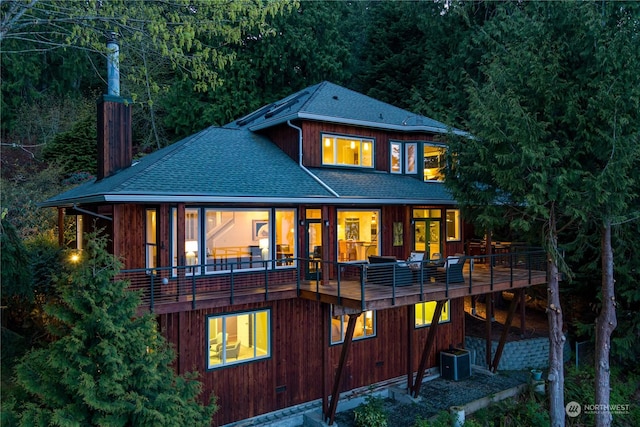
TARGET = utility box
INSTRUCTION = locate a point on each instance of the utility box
(455, 364)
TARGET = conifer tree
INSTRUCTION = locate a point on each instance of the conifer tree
(109, 366)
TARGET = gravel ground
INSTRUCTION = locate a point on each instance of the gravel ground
(440, 394)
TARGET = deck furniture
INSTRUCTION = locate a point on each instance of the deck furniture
(382, 270)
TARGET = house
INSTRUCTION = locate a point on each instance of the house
(273, 250)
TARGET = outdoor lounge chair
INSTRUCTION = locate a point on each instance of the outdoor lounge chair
(452, 270)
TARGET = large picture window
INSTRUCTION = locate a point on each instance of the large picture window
(365, 327)
(225, 239)
(347, 151)
(238, 337)
(358, 233)
(424, 313)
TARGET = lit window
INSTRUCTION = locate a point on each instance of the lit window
(396, 157)
(425, 310)
(358, 234)
(151, 239)
(433, 162)
(365, 327)
(453, 225)
(347, 151)
(224, 239)
(239, 337)
(404, 157)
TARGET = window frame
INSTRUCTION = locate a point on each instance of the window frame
(441, 159)
(202, 267)
(446, 310)
(151, 246)
(457, 235)
(343, 325)
(359, 139)
(224, 316)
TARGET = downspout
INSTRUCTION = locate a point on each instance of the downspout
(329, 189)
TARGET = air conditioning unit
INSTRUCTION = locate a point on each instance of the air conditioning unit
(455, 364)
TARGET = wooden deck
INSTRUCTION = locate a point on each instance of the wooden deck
(347, 296)
(350, 291)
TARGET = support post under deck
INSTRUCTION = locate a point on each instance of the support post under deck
(346, 345)
(431, 339)
(505, 331)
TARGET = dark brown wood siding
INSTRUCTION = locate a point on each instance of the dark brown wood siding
(312, 132)
(294, 373)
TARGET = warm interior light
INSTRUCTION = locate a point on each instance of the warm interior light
(327, 142)
(353, 145)
(191, 247)
(264, 243)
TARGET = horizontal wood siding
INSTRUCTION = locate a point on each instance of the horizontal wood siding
(293, 374)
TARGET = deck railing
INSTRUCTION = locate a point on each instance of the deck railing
(193, 286)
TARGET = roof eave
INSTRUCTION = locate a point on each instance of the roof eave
(182, 198)
(352, 122)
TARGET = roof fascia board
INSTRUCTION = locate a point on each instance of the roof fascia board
(142, 199)
(362, 123)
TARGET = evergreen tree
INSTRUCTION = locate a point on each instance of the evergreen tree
(108, 365)
(555, 120)
(75, 150)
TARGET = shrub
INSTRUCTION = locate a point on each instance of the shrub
(371, 413)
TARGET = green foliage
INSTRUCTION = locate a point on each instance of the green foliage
(76, 149)
(16, 274)
(625, 387)
(371, 413)
(21, 194)
(303, 47)
(108, 365)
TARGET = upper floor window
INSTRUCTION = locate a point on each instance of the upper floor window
(404, 157)
(347, 151)
(238, 337)
(434, 156)
(365, 327)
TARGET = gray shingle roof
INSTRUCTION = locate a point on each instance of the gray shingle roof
(233, 164)
(372, 186)
(329, 102)
(216, 163)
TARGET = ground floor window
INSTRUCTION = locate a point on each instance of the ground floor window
(358, 232)
(425, 310)
(238, 337)
(365, 327)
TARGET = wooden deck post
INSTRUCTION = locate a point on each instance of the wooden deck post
(489, 317)
(411, 315)
(505, 331)
(431, 339)
(346, 345)
(61, 227)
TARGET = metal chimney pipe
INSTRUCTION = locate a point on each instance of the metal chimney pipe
(113, 66)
